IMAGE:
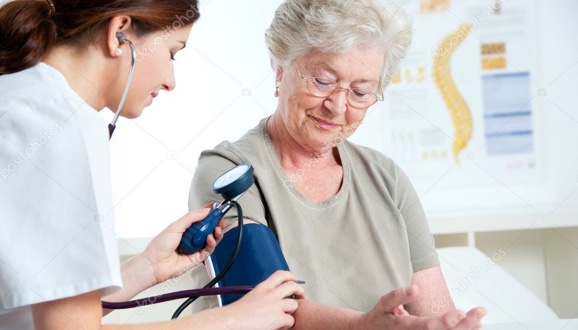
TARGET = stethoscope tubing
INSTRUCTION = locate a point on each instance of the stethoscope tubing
(112, 124)
(176, 295)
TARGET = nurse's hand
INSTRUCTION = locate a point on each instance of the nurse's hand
(160, 261)
(267, 306)
(161, 251)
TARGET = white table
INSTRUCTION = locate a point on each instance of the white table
(571, 324)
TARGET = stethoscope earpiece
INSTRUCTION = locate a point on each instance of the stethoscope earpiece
(122, 39)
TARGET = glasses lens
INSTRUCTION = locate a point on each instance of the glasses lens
(322, 87)
(360, 98)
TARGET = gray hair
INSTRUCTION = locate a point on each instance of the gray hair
(339, 26)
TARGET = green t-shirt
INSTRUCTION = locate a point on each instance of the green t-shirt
(351, 249)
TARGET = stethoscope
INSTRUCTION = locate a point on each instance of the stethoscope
(122, 39)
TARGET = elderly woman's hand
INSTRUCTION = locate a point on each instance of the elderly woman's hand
(389, 313)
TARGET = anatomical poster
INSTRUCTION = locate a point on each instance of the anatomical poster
(463, 108)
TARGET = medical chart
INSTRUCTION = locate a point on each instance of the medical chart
(463, 108)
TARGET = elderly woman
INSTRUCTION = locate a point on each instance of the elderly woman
(346, 217)
(61, 62)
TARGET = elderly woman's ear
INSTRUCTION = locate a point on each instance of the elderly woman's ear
(278, 77)
(278, 74)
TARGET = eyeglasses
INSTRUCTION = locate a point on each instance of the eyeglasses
(356, 97)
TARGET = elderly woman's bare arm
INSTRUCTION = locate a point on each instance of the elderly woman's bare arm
(386, 314)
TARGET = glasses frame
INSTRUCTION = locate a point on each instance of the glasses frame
(311, 79)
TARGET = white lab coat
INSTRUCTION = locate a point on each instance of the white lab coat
(57, 234)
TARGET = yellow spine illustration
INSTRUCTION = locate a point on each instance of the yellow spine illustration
(458, 108)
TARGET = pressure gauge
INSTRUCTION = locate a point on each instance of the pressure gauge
(234, 182)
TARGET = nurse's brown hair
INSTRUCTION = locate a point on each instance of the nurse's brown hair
(29, 29)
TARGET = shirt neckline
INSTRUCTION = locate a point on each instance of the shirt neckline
(287, 184)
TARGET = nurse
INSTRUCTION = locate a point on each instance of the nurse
(62, 61)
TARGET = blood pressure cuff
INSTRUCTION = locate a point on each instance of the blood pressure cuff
(259, 256)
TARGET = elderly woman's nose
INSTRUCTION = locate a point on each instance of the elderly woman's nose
(337, 101)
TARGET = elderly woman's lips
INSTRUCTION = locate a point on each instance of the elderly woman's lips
(325, 124)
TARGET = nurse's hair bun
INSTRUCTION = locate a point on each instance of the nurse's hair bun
(27, 33)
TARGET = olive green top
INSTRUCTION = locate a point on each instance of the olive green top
(351, 249)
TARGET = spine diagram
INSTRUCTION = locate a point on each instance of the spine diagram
(458, 108)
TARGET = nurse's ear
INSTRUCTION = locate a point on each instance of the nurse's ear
(119, 24)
